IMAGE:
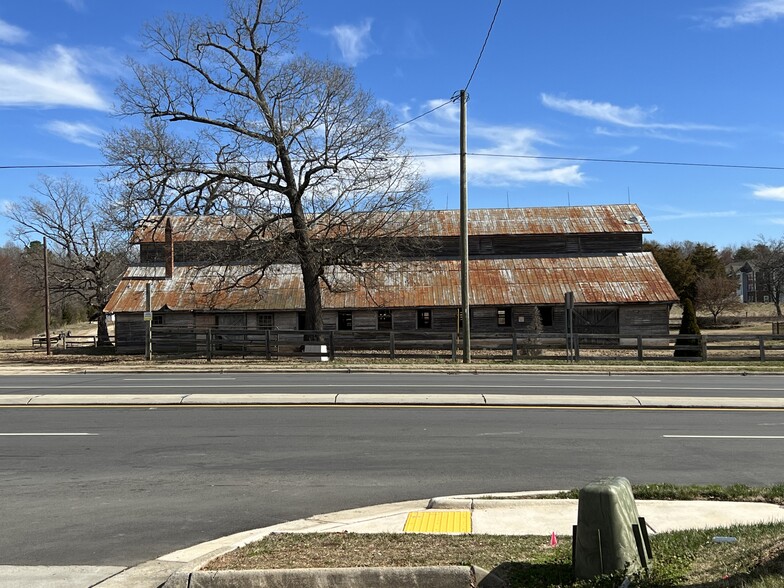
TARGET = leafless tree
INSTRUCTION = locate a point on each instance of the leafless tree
(717, 295)
(84, 261)
(308, 161)
(769, 259)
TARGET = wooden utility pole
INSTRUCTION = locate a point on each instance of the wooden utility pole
(148, 322)
(466, 306)
(46, 299)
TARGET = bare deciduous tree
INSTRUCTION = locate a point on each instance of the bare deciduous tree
(292, 146)
(717, 294)
(84, 261)
(769, 258)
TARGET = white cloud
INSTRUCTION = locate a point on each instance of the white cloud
(11, 34)
(80, 133)
(51, 78)
(5, 206)
(77, 5)
(767, 192)
(672, 213)
(748, 12)
(494, 151)
(353, 42)
(634, 117)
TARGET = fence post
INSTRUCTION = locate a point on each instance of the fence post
(454, 347)
(209, 345)
(704, 347)
(267, 350)
(639, 347)
(332, 346)
(391, 344)
(514, 345)
(762, 348)
(576, 347)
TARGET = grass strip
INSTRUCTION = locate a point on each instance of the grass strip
(681, 558)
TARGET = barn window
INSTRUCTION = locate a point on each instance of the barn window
(385, 320)
(345, 318)
(265, 320)
(546, 314)
(504, 317)
(424, 318)
(157, 319)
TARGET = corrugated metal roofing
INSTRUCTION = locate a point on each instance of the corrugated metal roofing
(611, 218)
(619, 279)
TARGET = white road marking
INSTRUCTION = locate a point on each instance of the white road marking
(723, 436)
(598, 386)
(48, 434)
(176, 379)
(589, 379)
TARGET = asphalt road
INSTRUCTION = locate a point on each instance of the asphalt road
(260, 383)
(113, 486)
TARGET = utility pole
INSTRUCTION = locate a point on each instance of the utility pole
(148, 322)
(466, 306)
(46, 299)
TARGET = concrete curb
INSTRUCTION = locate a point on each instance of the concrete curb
(432, 577)
(473, 400)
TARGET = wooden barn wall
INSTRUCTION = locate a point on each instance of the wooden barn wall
(129, 332)
(404, 320)
(365, 320)
(479, 246)
(286, 321)
(444, 319)
(645, 319)
(330, 318)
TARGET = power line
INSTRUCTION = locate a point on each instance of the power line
(487, 38)
(491, 155)
(450, 101)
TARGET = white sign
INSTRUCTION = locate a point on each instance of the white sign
(147, 315)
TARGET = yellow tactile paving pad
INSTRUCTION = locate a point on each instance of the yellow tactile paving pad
(438, 521)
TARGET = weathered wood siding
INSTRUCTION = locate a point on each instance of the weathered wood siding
(365, 320)
(644, 319)
(404, 320)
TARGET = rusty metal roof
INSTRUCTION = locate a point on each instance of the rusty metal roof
(611, 218)
(618, 279)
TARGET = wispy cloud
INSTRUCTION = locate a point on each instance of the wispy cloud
(354, 42)
(11, 34)
(767, 192)
(77, 5)
(79, 133)
(670, 213)
(54, 77)
(747, 12)
(5, 206)
(493, 144)
(634, 117)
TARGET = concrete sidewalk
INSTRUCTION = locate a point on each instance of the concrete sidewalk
(331, 399)
(502, 514)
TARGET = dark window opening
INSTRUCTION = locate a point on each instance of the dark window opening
(265, 320)
(300, 321)
(344, 320)
(424, 319)
(546, 314)
(385, 320)
(504, 317)
(157, 319)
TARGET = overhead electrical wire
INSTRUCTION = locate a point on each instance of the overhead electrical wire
(481, 52)
(491, 155)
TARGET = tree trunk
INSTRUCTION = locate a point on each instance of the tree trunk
(103, 331)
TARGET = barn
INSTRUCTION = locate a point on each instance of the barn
(521, 263)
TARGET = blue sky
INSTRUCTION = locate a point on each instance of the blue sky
(671, 81)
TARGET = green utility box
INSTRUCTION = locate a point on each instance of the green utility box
(610, 535)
